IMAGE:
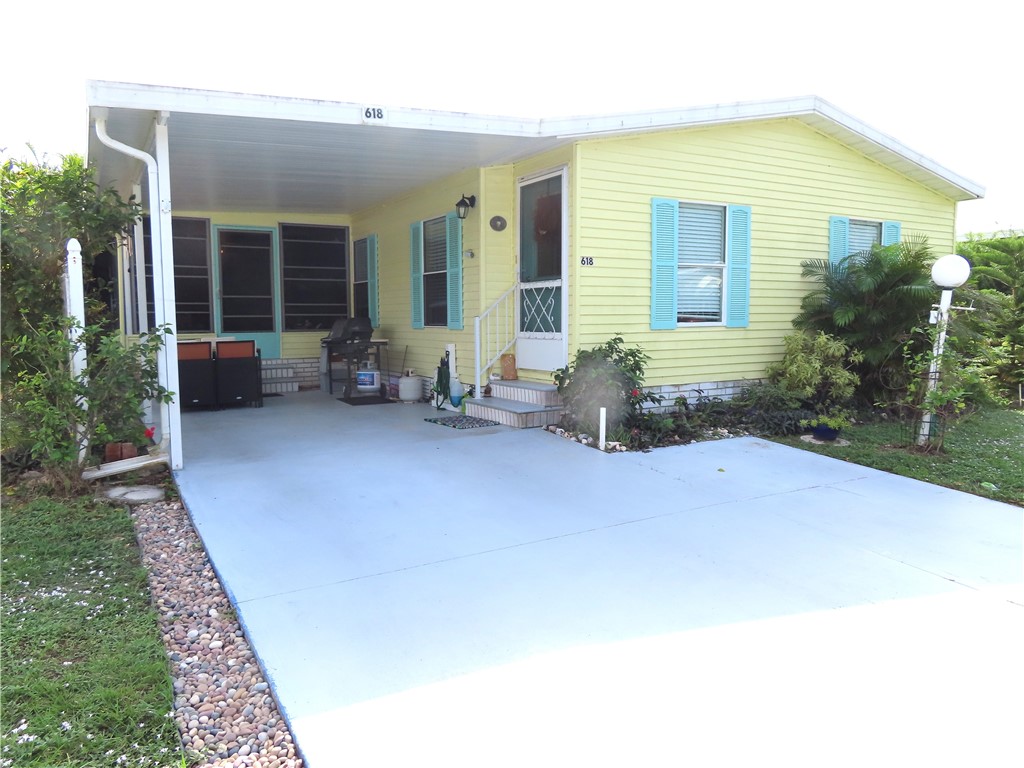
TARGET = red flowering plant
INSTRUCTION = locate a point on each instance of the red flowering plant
(608, 376)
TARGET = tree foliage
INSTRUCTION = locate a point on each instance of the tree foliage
(997, 275)
(42, 206)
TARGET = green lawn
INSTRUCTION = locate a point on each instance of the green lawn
(983, 454)
(85, 677)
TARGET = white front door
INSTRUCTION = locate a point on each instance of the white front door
(542, 342)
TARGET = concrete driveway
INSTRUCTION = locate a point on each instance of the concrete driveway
(494, 597)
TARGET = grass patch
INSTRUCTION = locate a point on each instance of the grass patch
(85, 677)
(983, 454)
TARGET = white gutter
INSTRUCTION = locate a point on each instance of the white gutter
(163, 291)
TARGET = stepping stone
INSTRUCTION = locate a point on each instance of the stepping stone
(134, 494)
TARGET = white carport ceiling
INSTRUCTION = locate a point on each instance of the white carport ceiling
(240, 152)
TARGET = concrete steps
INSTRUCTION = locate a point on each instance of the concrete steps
(520, 404)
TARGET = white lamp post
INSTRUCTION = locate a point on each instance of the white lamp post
(948, 273)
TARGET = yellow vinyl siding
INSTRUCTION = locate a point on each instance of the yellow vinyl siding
(792, 177)
(390, 222)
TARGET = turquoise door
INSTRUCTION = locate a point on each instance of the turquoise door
(245, 270)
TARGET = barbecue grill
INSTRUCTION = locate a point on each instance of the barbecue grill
(348, 342)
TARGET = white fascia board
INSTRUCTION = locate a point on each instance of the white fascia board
(156, 98)
(811, 109)
(807, 108)
(972, 189)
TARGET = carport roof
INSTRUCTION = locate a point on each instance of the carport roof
(244, 152)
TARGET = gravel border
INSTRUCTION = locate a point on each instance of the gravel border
(223, 705)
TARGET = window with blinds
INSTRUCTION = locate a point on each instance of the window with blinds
(435, 272)
(864, 234)
(701, 271)
(360, 279)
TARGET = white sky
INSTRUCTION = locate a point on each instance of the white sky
(945, 80)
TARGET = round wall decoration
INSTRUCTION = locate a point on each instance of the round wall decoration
(498, 223)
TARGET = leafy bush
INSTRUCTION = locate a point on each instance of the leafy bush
(872, 301)
(50, 413)
(816, 368)
(770, 409)
(997, 275)
(42, 206)
(608, 376)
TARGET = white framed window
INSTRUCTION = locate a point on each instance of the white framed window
(847, 236)
(864, 234)
(701, 263)
(700, 259)
(435, 250)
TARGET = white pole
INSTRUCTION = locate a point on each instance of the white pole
(74, 307)
(933, 370)
(601, 429)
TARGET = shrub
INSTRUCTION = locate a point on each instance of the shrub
(608, 376)
(816, 368)
(50, 413)
(769, 408)
(871, 301)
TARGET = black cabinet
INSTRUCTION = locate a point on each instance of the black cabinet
(238, 380)
(234, 376)
(197, 382)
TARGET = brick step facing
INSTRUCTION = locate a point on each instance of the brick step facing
(520, 404)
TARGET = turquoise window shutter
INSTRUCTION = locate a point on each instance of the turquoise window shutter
(838, 238)
(371, 279)
(453, 229)
(664, 262)
(890, 232)
(416, 272)
(737, 266)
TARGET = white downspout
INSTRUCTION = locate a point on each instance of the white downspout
(163, 281)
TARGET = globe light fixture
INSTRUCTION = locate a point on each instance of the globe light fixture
(949, 272)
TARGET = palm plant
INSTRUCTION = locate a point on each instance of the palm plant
(872, 300)
(998, 276)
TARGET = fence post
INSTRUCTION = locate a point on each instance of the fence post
(74, 308)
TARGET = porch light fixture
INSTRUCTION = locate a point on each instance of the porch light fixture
(462, 207)
(948, 273)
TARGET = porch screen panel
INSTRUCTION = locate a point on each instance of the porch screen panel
(314, 276)
(247, 296)
(191, 243)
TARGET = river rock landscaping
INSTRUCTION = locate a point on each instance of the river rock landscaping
(222, 703)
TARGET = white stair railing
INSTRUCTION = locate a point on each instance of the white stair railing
(494, 333)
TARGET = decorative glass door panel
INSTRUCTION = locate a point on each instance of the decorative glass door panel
(541, 342)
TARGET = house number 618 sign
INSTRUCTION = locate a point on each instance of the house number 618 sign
(374, 115)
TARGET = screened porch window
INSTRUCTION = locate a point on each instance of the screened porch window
(190, 240)
(701, 263)
(315, 278)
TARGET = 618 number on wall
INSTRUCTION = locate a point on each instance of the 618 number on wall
(374, 115)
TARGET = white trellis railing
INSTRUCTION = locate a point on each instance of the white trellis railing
(494, 333)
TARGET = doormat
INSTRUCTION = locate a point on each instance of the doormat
(368, 400)
(462, 422)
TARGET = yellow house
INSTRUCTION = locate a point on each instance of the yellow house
(682, 231)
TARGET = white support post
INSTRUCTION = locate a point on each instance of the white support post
(164, 298)
(74, 308)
